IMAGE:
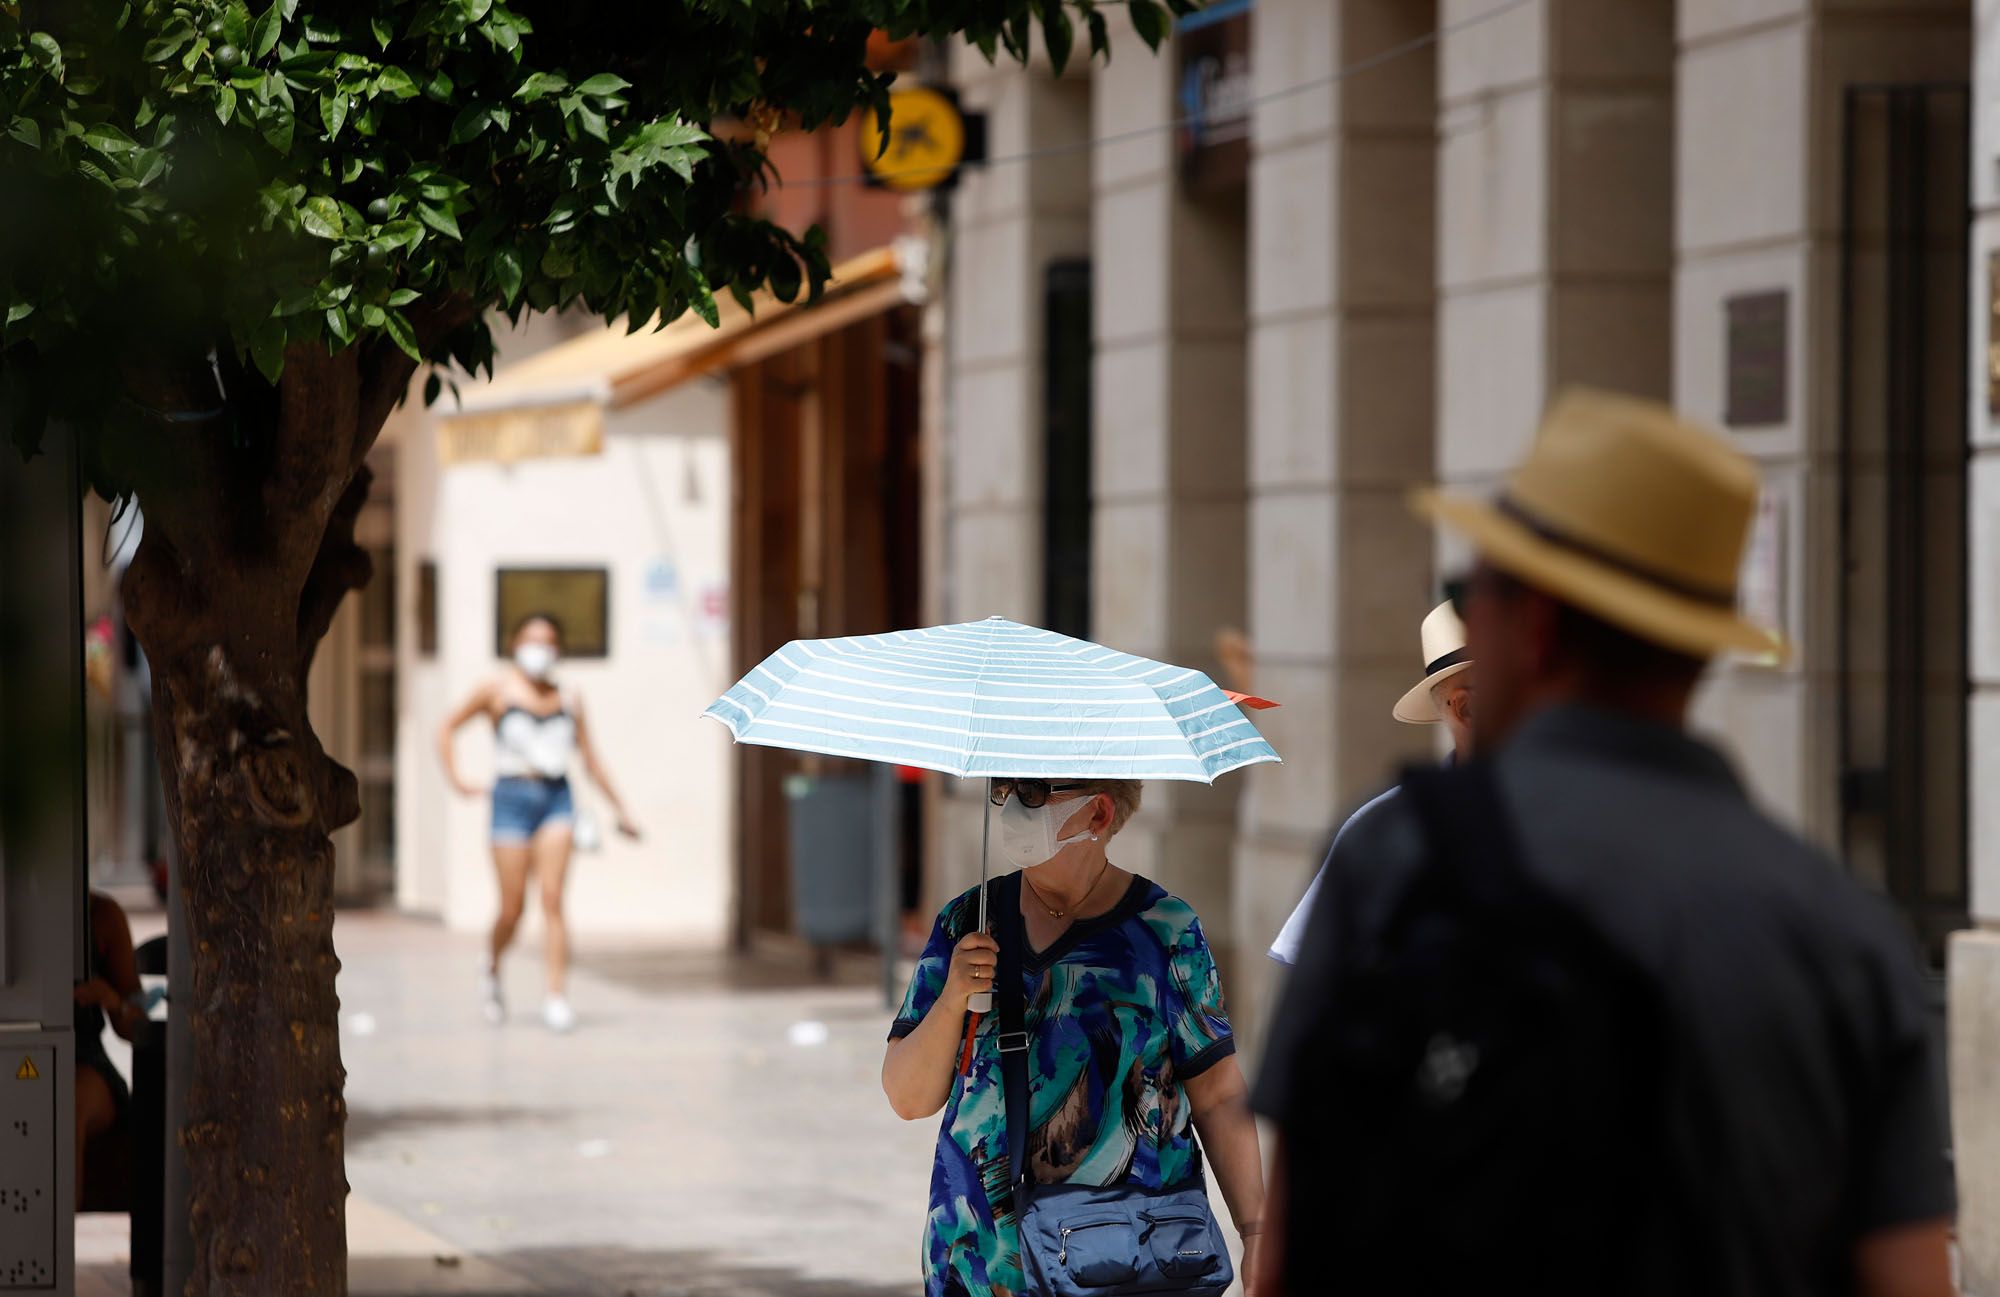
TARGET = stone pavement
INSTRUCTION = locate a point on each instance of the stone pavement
(713, 1128)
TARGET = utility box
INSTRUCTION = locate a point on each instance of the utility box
(835, 826)
(30, 1122)
(43, 888)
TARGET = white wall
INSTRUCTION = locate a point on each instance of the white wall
(659, 493)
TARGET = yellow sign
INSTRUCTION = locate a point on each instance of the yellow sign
(926, 140)
(26, 1071)
(528, 432)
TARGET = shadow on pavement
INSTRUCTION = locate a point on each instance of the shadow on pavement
(559, 1272)
(365, 1124)
(599, 1272)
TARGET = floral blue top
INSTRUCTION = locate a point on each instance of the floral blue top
(1122, 1009)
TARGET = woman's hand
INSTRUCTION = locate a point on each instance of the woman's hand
(626, 827)
(466, 788)
(972, 963)
(1247, 1272)
(99, 994)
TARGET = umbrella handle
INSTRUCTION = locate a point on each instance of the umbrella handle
(981, 1002)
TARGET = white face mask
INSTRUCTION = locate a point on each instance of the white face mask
(1028, 838)
(535, 660)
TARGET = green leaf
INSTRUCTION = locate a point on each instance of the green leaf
(277, 126)
(44, 51)
(109, 140)
(440, 219)
(432, 387)
(162, 48)
(507, 274)
(320, 217)
(604, 83)
(236, 24)
(1058, 35)
(400, 234)
(540, 85)
(338, 326)
(25, 130)
(470, 123)
(1149, 20)
(396, 82)
(333, 112)
(267, 348)
(439, 88)
(592, 123)
(384, 33)
(264, 36)
(18, 311)
(403, 335)
(476, 10)
(557, 263)
(374, 316)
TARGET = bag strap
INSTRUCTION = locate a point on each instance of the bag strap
(1472, 844)
(1012, 935)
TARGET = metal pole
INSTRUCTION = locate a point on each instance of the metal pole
(888, 855)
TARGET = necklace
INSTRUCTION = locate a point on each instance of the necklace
(1063, 914)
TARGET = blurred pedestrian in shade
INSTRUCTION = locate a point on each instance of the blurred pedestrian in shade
(1442, 697)
(1577, 1017)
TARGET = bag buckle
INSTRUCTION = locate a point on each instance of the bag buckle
(1012, 1042)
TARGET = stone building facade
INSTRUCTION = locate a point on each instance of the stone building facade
(1377, 238)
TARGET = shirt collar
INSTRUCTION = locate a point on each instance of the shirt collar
(1624, 739)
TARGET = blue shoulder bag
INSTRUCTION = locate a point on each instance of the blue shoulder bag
(1081, 1240)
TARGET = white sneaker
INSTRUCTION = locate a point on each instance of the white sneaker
(557, 1016)
(491, 1006)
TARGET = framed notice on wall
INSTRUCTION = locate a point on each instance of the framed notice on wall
(579, 598)
(1757, 359)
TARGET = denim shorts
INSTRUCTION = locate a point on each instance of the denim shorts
(523, 807)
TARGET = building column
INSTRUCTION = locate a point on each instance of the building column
(1555, 182)
(1975, 955)
(1168, 470)
(1007, 223)
(1342, 344)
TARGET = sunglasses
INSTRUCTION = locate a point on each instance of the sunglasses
(1458, 593)
(1033, 793)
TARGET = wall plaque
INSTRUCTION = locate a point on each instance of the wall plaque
(1757, 359)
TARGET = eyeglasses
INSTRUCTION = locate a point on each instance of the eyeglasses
(1033, 793)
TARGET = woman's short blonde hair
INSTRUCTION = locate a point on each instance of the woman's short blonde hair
(1124, 795)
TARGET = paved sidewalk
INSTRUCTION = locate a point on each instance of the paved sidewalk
(711, 1129)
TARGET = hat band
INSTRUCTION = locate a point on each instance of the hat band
(1451, 659)
(1703, 594)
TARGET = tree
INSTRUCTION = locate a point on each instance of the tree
(228, 239)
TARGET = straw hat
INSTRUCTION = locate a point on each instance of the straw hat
(1628, 512)
(1444, 657)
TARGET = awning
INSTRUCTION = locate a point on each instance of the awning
(612, 368)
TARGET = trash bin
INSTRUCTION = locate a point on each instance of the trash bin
(833, 833)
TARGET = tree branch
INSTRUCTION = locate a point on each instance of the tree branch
(386, 369)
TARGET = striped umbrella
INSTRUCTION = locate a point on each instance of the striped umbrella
(992, 699)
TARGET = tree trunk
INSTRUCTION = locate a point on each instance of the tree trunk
(247, 551)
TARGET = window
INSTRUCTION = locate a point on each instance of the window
(577, 597)
(427, 608)
(1066, 523)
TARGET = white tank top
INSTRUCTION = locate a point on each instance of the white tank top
(536, 747)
